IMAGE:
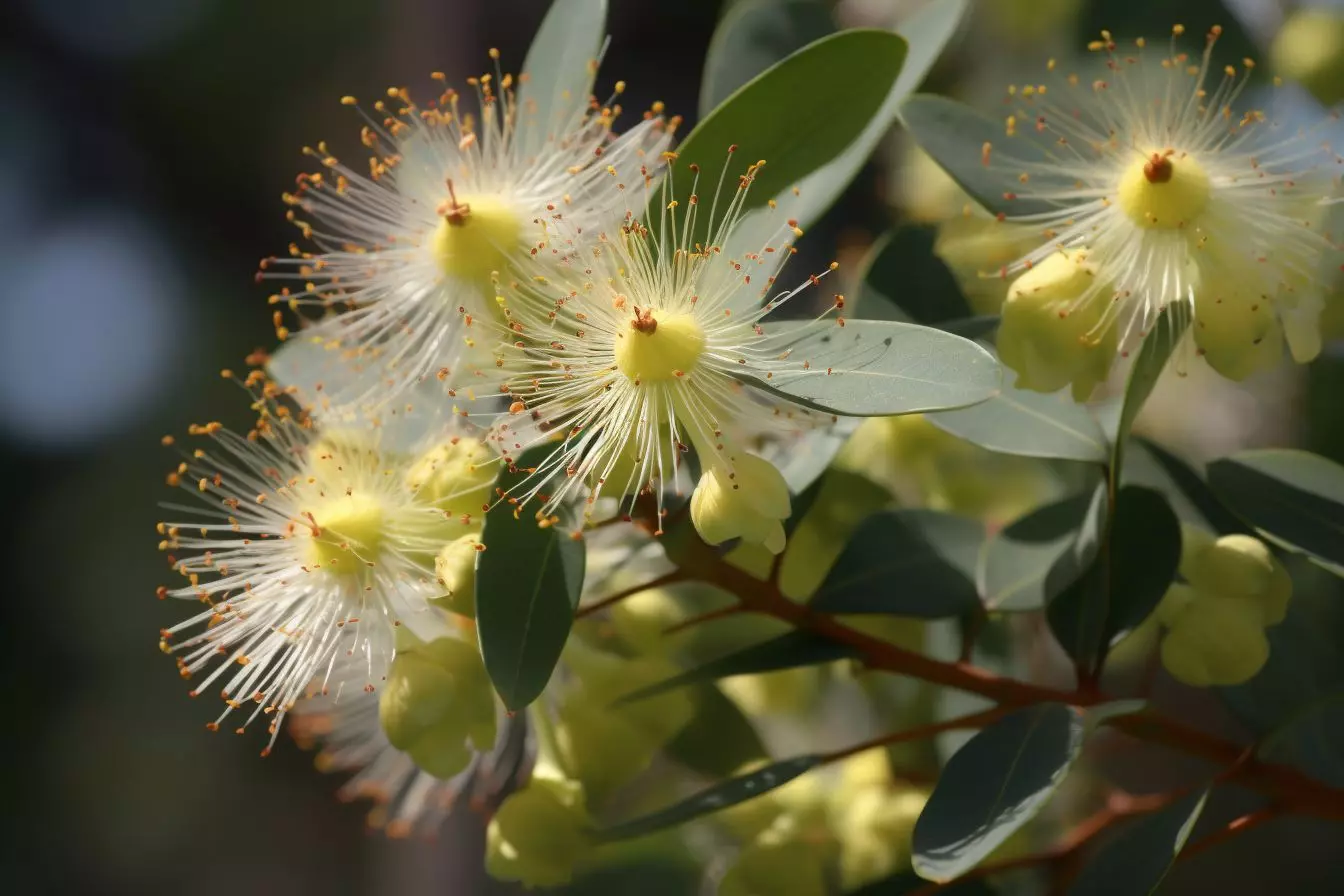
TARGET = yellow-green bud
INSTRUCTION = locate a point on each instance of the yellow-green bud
(1236, 329)
(539, 835)
(600, 746)
(1048, 336)
(1309, 49)
(605, 677)
(1175, 602)
(1243, 567)
(971, 244)
(455, 567)
(1216, 642)
(776, 867)
(749, 501)
(457, 476)
(438, 705)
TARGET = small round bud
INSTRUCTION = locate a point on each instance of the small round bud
(539, 835)
(600, 746)
(458, 476)
(1236, 329)
(1175, 602)
(1049, 335)
(1243, 567)
(438, 705)
(455, 568)
(1216, 642)
(1309, 49)
(750, 502)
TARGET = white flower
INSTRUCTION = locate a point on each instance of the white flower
(408, 800)
(1177, 197)
(406, 249)
(308, 549)
(633, 344)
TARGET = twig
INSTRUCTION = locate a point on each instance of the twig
(675, 575)
(923, 732)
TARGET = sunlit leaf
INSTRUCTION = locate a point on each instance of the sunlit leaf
(1158, 345)
(752, 36)
(1294, 497)
(557, 69)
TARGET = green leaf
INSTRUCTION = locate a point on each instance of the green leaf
(1294, 497)
(1041, 554)
(719, 739)
(810, 135)
(806, 458)
(720, 796)
(927, 32)
(918, 563)
(558, 68)
(1136, 862)
(1312, 740)
(528, 581)
(994, 785)
(1030, 424)
(954, 135)
(1158, 345)
(903, 279)
(1124, 584)
(788, 651)
(868, 368)
(752, 36)
(1193, 487)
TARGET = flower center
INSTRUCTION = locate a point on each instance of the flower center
(346, 535)
(659, 346)
(474, 235)
(1165, 191)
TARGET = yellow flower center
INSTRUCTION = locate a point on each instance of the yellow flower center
(474, 235)
(659, 346)
(1165, 191)
(346, 535)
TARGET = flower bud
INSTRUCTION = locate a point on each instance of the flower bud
(458, 476)
(1243, 567)
(539, 835)
(971, 244)
(1049, 321)
(1236, 329)
(455, 567)
(604, 678)
(1216, 642)
(1175, 602)
(1309, 49)
(749, 501)
(438, 705)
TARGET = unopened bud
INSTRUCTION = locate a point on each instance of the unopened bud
(455, 568)
(457, 476)
(539, 835)
(1243, 567)
(1216, 642)
(1052, 333)
(750, 501)
(1236, 328)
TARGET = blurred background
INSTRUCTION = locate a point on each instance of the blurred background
(144, 149)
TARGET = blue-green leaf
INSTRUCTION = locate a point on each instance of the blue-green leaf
(902, 279)
(528, 582)
(1041, 554)
(868, 368)
(1030, 424)
(1158, 345)
(788, 651)
(752, 36)
(558, 69)
(719, 739)
(1135, 863)
(1195, 490)
(928, 32)
(720, 796)
(918, 563)
(1312, 739)
(1124, 584)
(1294, 497)
(994, 785)
(813, 146)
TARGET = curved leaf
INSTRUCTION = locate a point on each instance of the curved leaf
(720, 796)
(559, 69)
(754, 35)
(1195, 490)
(993, 785)
(903, 279)
(928, 32)
(1157, 348)
(918, 563)
(719, 739)
(1030, 424)
(1294, 497)
(1135, 863)
(1041, 554)
(1312, 739)
(869, 368)
(820, 141)
(528, 582)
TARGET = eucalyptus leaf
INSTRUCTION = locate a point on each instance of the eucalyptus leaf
(752, 36)
(867, 368)
(788, 651)
(1294, 497)
(928, 32)
(1041, 554)
(719, 739)
(528, 582)
(1125, 583)
(1312, 739)
(1158, 346)
(817, 146)
(994, 785)
(1136, 861)
(1030, 424)
(1195, 490)
(558, 69)
(720, 796)
(916, 563)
